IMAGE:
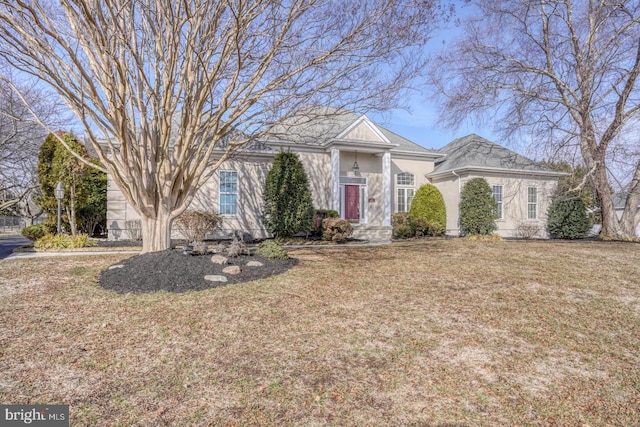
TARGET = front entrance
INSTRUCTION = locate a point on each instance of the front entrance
(353, 199)
(352, 202)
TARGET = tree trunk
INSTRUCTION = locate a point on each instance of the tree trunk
(612, 226)
(156, 232)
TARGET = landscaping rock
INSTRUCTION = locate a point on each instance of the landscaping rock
(215, 278)
(232, 269)
(171, 271)
(116, 266)
(219, 259)
(254, 264)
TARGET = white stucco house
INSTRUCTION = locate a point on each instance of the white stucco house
(366, 173)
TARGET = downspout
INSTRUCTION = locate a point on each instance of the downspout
(459, 192)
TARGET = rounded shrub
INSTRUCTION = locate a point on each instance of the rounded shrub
(477, 208)
(34, 232)
(272, 250)
(568, 219)
(319, 216)
(423, 227)
(428, 204)
(336, 229)
(402, 226)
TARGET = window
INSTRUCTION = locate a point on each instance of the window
(405, 196)
(406, 178)
(405, 193)
(497, 196)
(228, 192)
(532, 203)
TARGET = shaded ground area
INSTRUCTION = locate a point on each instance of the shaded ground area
(172, 271)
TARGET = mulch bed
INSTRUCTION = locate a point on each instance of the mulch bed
(173, 271)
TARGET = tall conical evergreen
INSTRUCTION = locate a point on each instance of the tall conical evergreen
(288, 205)
(477, 207)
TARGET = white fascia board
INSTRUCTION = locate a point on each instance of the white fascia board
(362, 146)
(410, 155)
(364, 119)
(440, 174)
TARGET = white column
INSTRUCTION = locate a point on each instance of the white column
(335, 179)
(386, 188)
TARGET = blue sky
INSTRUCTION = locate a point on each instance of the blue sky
(421, 124)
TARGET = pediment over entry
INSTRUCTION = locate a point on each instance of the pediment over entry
(363, 129)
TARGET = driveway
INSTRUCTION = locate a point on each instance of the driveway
(9, 243)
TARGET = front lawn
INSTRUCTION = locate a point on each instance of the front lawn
(442, 332)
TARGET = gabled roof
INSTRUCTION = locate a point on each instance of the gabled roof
(472, 152)
(326, 126)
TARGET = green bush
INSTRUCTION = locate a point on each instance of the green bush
(402, 226)
(477, 208)
(428, 204)
(64, 241)
(272, 250)
(34, 232)
(336, 229)
(195, 225)
(423, 227)
(288, 205)
(568, 219)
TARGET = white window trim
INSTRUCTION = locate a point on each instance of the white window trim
(406, 199)
(500, 203)
(237, 193)
(406, 174)
(532, 203)
(404, 187)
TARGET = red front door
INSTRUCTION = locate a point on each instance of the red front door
(352, 202)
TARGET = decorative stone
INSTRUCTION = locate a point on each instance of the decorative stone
(219, 259)
(254, 264)
(113, 267)
(215, 278)
(232, 269)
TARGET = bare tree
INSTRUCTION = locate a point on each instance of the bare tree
(566, 71)
(158, 84)
(20, 138)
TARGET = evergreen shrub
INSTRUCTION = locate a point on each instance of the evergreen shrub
(272, 250)
(402, 226)
(477, 208)
(568, 219)
(34, 232)
(423, 227)
(288, 205)
(428, 204)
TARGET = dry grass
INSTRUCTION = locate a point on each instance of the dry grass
(443, 333)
